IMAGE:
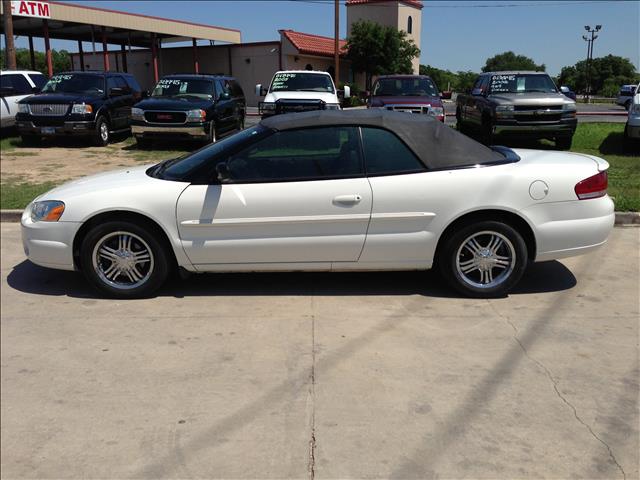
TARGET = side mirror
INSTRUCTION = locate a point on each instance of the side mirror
(259, 90)
(116, 92)
(225, 96)
(145, 94)
(224, 175)
(347, 91)
(476, 91)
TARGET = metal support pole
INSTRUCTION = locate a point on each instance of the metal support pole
(196, 65)
(8, 35)
(47, 47)
(154, 57)
(81, 55)
(123, 49)
(32, 53)
(336, 53)
(105, 53)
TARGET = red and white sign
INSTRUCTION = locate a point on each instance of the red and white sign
(27, 8)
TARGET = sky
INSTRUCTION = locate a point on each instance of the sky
(456, 35)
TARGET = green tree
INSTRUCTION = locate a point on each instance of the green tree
(607, 74)
(511, 61)
(59, 58)
(378, 50)
(458, 81)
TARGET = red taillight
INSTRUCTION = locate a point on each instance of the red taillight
(592, 187)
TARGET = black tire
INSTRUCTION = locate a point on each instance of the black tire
(627, 105)
(487, 132)
(115, 278)
(241, 122)
(212, 135)
(459, 123)
(30, 140)
(101, 135)
(564, 142)
(454, 257)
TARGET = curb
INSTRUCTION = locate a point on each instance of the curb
(622, 218)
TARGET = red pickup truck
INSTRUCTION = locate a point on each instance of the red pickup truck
(407, 93)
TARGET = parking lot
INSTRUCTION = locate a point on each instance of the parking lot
(372, 375)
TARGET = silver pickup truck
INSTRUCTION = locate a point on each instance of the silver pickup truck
(517, 103)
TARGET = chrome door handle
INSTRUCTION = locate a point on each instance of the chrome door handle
(347, 199)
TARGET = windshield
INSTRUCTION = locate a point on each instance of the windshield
(181, 168)
(75, 83)
(301, 82)
(512, 83)
(176, 87)
(409, 87)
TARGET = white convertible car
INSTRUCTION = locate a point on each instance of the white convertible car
(327, 191)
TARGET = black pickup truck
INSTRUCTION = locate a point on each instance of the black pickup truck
(517, 104)
(89, 104)
(190, 106)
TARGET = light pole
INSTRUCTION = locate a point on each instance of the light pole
(590, 41)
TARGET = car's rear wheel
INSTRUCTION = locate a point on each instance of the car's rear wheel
(487, 132)
(123, 260)
(484, 259)
(627, 105)
(102, 135)
(564, 142)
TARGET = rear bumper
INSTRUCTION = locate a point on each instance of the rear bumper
(49, 244)
(144, 130)
(567, 229)
(26, 127)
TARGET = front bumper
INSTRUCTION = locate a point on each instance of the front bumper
(26, 127)
(565, 127)
(193, 129)
(567, 229)
(49, 244)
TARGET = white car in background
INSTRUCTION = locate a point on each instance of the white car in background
(327, 191)
(299, 91)
(14, 86)
(632, 128)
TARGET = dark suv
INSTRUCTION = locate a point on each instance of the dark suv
(195, 106)
(90, 104)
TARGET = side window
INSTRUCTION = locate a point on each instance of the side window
(236, 89)
(111, 83)
(386, 154)
(409, 24)
(305, 154)
(222, 86)
(39, 80)
(133, 84)
(20, 84)
(120, 83)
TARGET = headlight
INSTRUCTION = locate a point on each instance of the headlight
(436, 111)
(504, 111)
(332, 106)
(47, 211)
(23, 108)
(137, 114)
(268, 106)
(81, 108)
(196, 115)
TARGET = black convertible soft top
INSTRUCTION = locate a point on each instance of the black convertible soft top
(437, 145)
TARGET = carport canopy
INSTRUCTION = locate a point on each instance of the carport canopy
(65, 21)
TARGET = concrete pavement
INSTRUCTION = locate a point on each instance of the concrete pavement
(371, 375)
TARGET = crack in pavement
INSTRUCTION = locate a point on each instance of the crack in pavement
(312, 394)
(558, 393)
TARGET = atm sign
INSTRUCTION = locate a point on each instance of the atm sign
(26, 8)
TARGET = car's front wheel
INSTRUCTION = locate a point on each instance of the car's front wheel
(102, 135)
(564, 142)
(484, 259)
(123, 260)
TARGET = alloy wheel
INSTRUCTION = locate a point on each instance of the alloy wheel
(485, 259)
(123, 260)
